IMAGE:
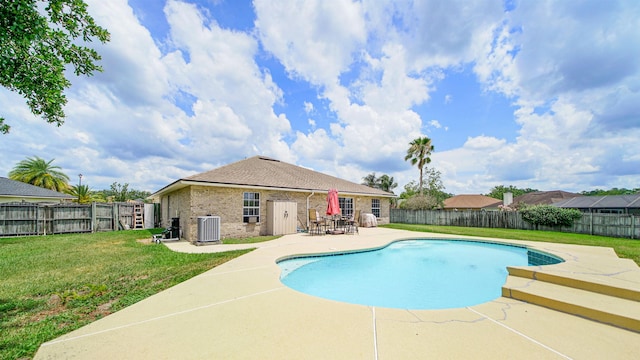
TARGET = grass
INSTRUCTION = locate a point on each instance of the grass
(625, 248)
(51, 285)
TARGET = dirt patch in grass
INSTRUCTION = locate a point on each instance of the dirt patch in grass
(145, 241)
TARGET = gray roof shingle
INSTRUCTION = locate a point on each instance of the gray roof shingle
(602, 202)
(10, 187)
(544, 197)
(260, 171)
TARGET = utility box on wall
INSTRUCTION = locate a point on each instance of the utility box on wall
(282, 217)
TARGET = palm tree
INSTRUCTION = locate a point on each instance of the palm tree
(418, 152)
(386, 183)
(370, 180)
(82, 193)
(38, 172)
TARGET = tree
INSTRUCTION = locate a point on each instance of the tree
(433, 197)
(36, 45)
(614, 191)
(418, 153)
(385, 182)
(82, 194)
(497, 192)
(370, 180)
(121, 193)
(38, 172)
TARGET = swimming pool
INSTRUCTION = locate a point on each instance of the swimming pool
(411, 274)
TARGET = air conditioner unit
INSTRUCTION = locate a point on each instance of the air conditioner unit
(208, 229)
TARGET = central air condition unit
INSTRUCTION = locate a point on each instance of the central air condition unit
(208, 229)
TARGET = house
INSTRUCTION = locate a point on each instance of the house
(242, 195)
(471, 202)
(544, 197)
(607, 204)
(17, 191)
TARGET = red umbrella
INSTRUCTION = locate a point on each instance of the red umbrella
(333, 206)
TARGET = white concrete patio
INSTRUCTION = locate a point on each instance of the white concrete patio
(240, 310)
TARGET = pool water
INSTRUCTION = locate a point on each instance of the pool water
(410, 274)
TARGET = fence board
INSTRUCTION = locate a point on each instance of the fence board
(613, 225)
(19, 219)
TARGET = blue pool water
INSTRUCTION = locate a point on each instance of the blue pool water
(410, 274)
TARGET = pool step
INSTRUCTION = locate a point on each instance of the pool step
(624, 290)
(605, 308)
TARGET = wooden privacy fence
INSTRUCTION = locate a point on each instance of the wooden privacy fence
(17, 219)
(614, 225)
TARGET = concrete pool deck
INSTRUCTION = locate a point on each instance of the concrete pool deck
(241, 310)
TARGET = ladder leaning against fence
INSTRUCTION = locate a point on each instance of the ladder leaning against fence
(138, 216)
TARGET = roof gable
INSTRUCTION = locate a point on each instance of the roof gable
(14, 188)
(471, 201)
(260, 171)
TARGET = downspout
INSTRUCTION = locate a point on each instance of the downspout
(312, 193)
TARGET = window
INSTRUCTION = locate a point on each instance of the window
(346, 206)
(375, 207)
(251, 207)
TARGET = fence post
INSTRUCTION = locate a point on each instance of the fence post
(591, 224)
(94, 217)
(38, 220)
(115, 217)
(633, 226)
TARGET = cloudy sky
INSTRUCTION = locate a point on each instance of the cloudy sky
(539, 94)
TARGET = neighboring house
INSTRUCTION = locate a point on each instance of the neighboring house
(607, 204)
(471, 202)
(544, 197)
(240, 194)
(16, 191)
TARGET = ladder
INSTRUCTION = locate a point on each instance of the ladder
(138, 216)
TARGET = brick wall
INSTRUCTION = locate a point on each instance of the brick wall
(194, 201)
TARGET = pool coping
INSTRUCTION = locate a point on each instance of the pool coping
(241, 310)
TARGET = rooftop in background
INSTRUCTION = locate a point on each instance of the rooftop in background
(15, 189)
(264, 172)
(471, 201)
(544, 197)
(606, 202)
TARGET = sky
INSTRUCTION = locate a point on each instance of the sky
(535, 94)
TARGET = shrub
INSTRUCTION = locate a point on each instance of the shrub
(420, 202)
(549, 215)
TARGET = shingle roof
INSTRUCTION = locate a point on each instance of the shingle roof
(260, 171)
(602, 202)
(10, 187)
(471, 202)
(544, 197)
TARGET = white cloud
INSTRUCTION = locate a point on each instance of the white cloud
(200, 96)
(315, 40)
(308, 107)
(435, 123)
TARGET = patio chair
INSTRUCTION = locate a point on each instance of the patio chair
(317, 225)
(352, 223)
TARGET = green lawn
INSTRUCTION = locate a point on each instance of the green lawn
(625, 248)
(51, 285)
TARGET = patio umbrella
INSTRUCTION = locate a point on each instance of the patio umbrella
(333, 207)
